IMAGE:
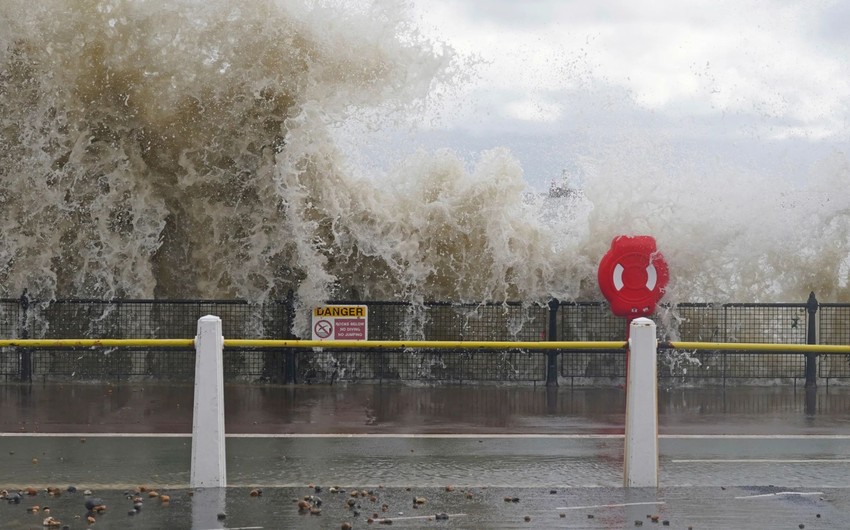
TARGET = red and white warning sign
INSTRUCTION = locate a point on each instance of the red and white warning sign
(340, 322)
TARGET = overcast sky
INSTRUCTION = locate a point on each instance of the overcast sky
(765, 84)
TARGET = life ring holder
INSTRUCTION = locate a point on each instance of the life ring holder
(633, 276)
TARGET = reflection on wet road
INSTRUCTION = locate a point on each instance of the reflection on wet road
(426, 460)
(739, 458)
(146, 408)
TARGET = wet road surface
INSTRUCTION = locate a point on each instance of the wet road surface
(366, 408)
(424, 460)
(739, 458)
(474, 508)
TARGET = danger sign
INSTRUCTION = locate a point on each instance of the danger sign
(340, 322)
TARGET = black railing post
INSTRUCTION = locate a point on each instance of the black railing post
(26, 354)
(289, 359)
(811, 338)
(552, 355)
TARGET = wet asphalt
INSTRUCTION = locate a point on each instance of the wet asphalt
(399, 409)
(482, 456)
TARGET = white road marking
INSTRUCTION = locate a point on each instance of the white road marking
(756, 436)
(610, 505)
(93, 435)
(239, 528)
(412, 517)
(781, 493)
(435, 436)
(762, 461)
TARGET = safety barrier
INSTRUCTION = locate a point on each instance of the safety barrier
(809, 322)
(208, 445)
(571, 362)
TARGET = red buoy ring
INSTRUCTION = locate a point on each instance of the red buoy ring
(633, 276)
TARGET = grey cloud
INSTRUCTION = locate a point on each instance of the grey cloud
(833, 24)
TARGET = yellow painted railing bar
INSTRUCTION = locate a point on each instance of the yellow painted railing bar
(432, 344)
(98, 343)
(269, 343)
(757, 346)
(453, 344)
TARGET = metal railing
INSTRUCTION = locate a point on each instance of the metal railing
(791, 324)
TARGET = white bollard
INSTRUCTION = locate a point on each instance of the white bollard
(208, 453)
(641, 443)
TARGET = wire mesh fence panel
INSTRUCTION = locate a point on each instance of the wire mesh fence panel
(585, 322)
(697, 365)
(115, 364)
(834, 328)
(455, 322)
(772, 323)
(692, 322)
(162, 320)
(10, 364)
(10, 317)
(589, 322)
(593, 364)
(330, 365)
(502, 322)
(759, 365)
(434, 365)
(437, 322)
(721, 365)
(392, 320)
(422, 365)
(10, 325)
(833, 367)
(834, 324)
(165, 364)
(505, 366)
(128, 319)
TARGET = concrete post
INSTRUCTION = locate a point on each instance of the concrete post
(641, 442)
(208, 453)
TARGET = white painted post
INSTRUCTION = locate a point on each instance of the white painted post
(208, 453)
(641, 443)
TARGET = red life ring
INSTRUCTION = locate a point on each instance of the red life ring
(633, 276)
